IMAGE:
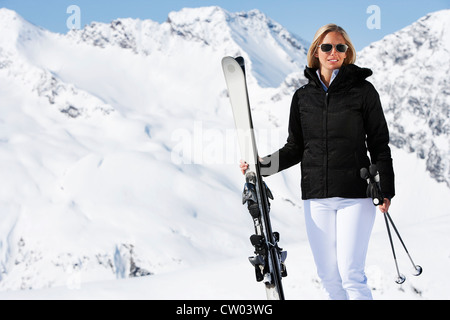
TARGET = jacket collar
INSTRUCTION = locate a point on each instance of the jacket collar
(348, 75)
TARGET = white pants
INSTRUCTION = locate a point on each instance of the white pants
(339, 231)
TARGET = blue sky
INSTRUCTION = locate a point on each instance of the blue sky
(300, 17)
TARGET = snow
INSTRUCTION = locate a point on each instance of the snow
(120, 166)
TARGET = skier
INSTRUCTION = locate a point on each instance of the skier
(334, 121)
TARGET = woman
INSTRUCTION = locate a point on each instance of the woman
(334, 121)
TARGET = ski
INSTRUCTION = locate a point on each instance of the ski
(269, 257)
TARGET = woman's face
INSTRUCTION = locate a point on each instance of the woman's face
(334, 59)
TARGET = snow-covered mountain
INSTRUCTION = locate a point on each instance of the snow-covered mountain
(411, 69)
(273, 51)
(119, 156)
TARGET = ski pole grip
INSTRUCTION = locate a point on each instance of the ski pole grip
(373, 188)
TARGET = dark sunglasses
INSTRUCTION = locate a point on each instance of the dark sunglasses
(327, 47)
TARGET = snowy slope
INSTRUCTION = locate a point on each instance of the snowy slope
(119, 161)
(426, 238)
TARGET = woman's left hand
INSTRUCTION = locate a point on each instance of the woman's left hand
(385, 206)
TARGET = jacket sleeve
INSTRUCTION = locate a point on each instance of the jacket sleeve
(292, 152)
(378, 140)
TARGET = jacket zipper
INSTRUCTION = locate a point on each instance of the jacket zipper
(326, 144)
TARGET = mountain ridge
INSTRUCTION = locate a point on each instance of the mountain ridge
(212, 27)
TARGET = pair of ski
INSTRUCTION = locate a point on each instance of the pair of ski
(269, 257)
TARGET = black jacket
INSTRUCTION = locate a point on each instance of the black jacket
(330, 134)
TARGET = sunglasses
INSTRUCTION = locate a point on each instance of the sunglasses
(327, 47)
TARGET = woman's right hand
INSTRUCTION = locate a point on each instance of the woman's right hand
(243, 166)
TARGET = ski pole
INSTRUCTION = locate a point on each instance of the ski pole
(416, 267)
(400, 277)
(374, 191)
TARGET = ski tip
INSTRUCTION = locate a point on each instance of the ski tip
(230, 65)
(240, 60)
(227, 58)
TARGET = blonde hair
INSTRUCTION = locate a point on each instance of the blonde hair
(313, 62)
